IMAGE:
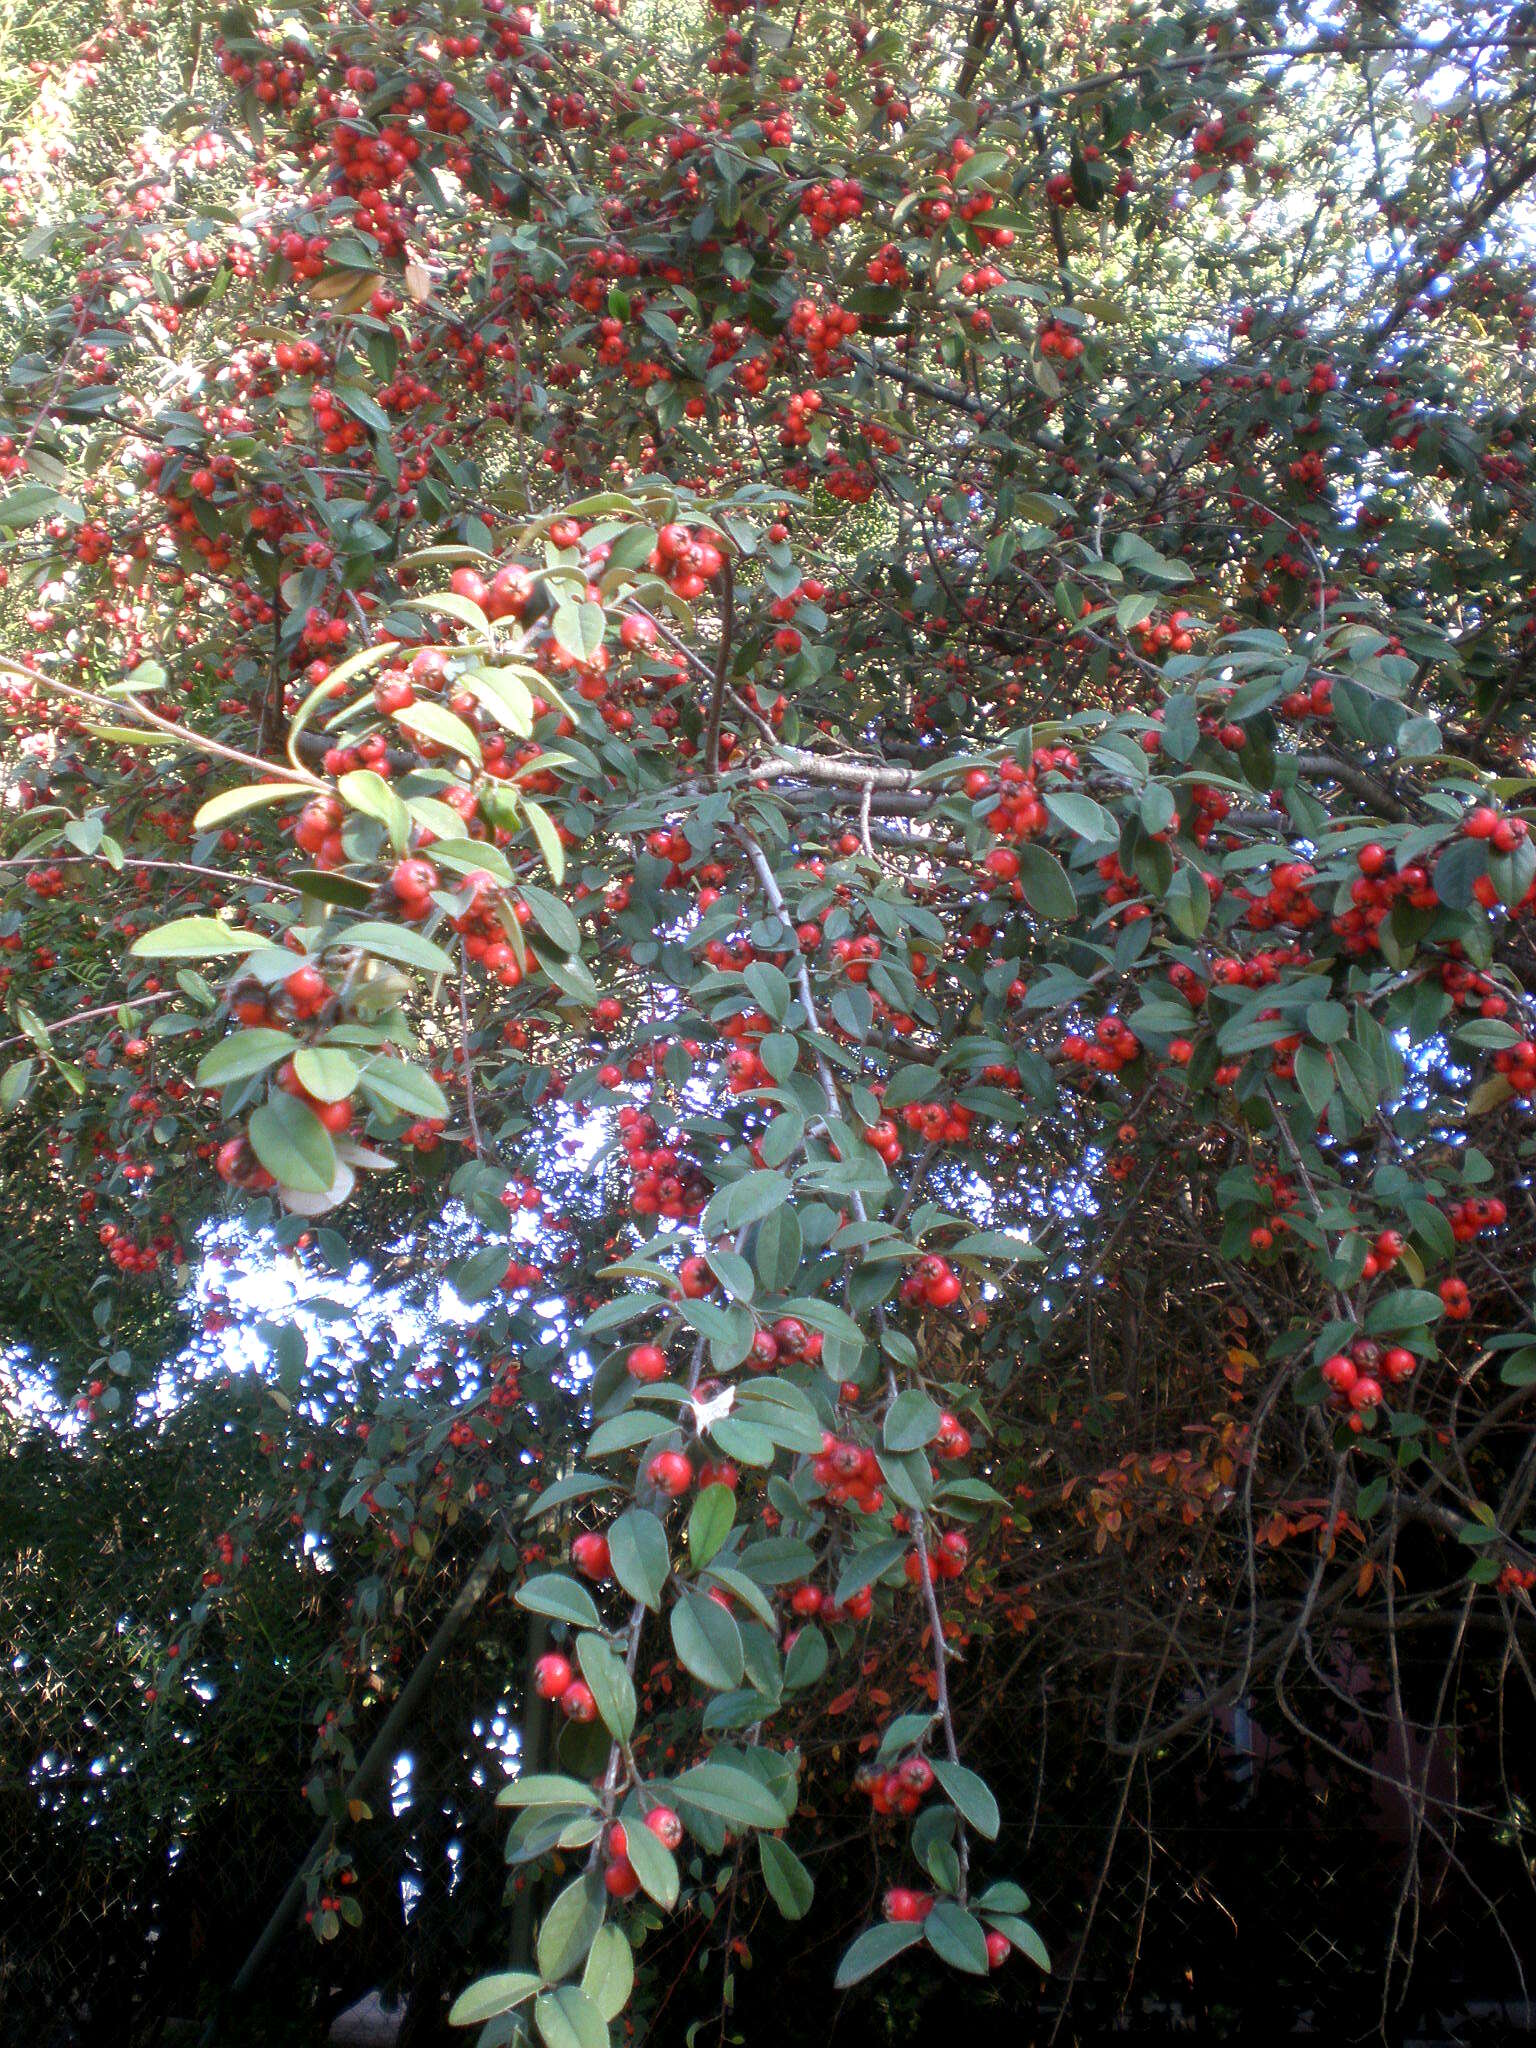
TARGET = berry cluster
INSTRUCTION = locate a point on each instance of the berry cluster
(665, 1183)
(1358, 1376)
(901, 1789)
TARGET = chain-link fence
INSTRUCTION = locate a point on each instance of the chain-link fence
(110, 1883)
(139, 1862)
(148, 1830)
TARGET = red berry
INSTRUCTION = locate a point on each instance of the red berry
(670, 1472)
(552, 1677)
(902, 1904)
(413, 879)
(1340, 1372)
(665, 1826)
(695, 1278)
(307, 986)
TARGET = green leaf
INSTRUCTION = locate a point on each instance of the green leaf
(571, 977)
(544, 1788)
(578, 628)
(905, 1732)
(612, 1315)
(345, 891)
(754, 1196)
(1512, 873)
(779, 1052)
(867, 1564)
(957, 1937)
(1002, 1896)
(398, 1085)
(27, 503)
(709, 1523)
(876, 1947)
(790, 1416)
(733, 1272)
(748, 1442)
(477, 1277)
(1046, 884)
(632, 547)
(547, 836)
(444, 728)
(465, 856)
(133, 736)
(406, 948)
(570, 1927)
(1370, 1497)
(567, 2018)
(1188, 901)
(611, 1685)
(366, 791)
(637, 1545)
(807, 1660)
(328, 1073)
(777, 1560)
(911, 1421)
(491, 1997)
(788, 1880)
(707, 1642)
(293, 1145)
(14, 1083)
(1023, 1937)
(1418, 739)
(1406, 1308)
(1314, 1077)
(449, 605)
(195, 938)
(779, 1249)
(240, 1056)
(995, 1244)
(623, 1432)
(574, 1486)
(562, 1598)
(735, 1795)
(609, 1977)
(1083, 818)
(504, 694)
(231, 802)
(971, 1795)
(751, 1596)
(555, 918)
(768, 987)
(364, 407)
(654, 1864)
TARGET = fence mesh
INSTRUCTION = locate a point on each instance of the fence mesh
(144, 1841)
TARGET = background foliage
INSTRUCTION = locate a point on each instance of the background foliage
(767, 932)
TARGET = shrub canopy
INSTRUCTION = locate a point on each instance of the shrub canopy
(822, 727)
